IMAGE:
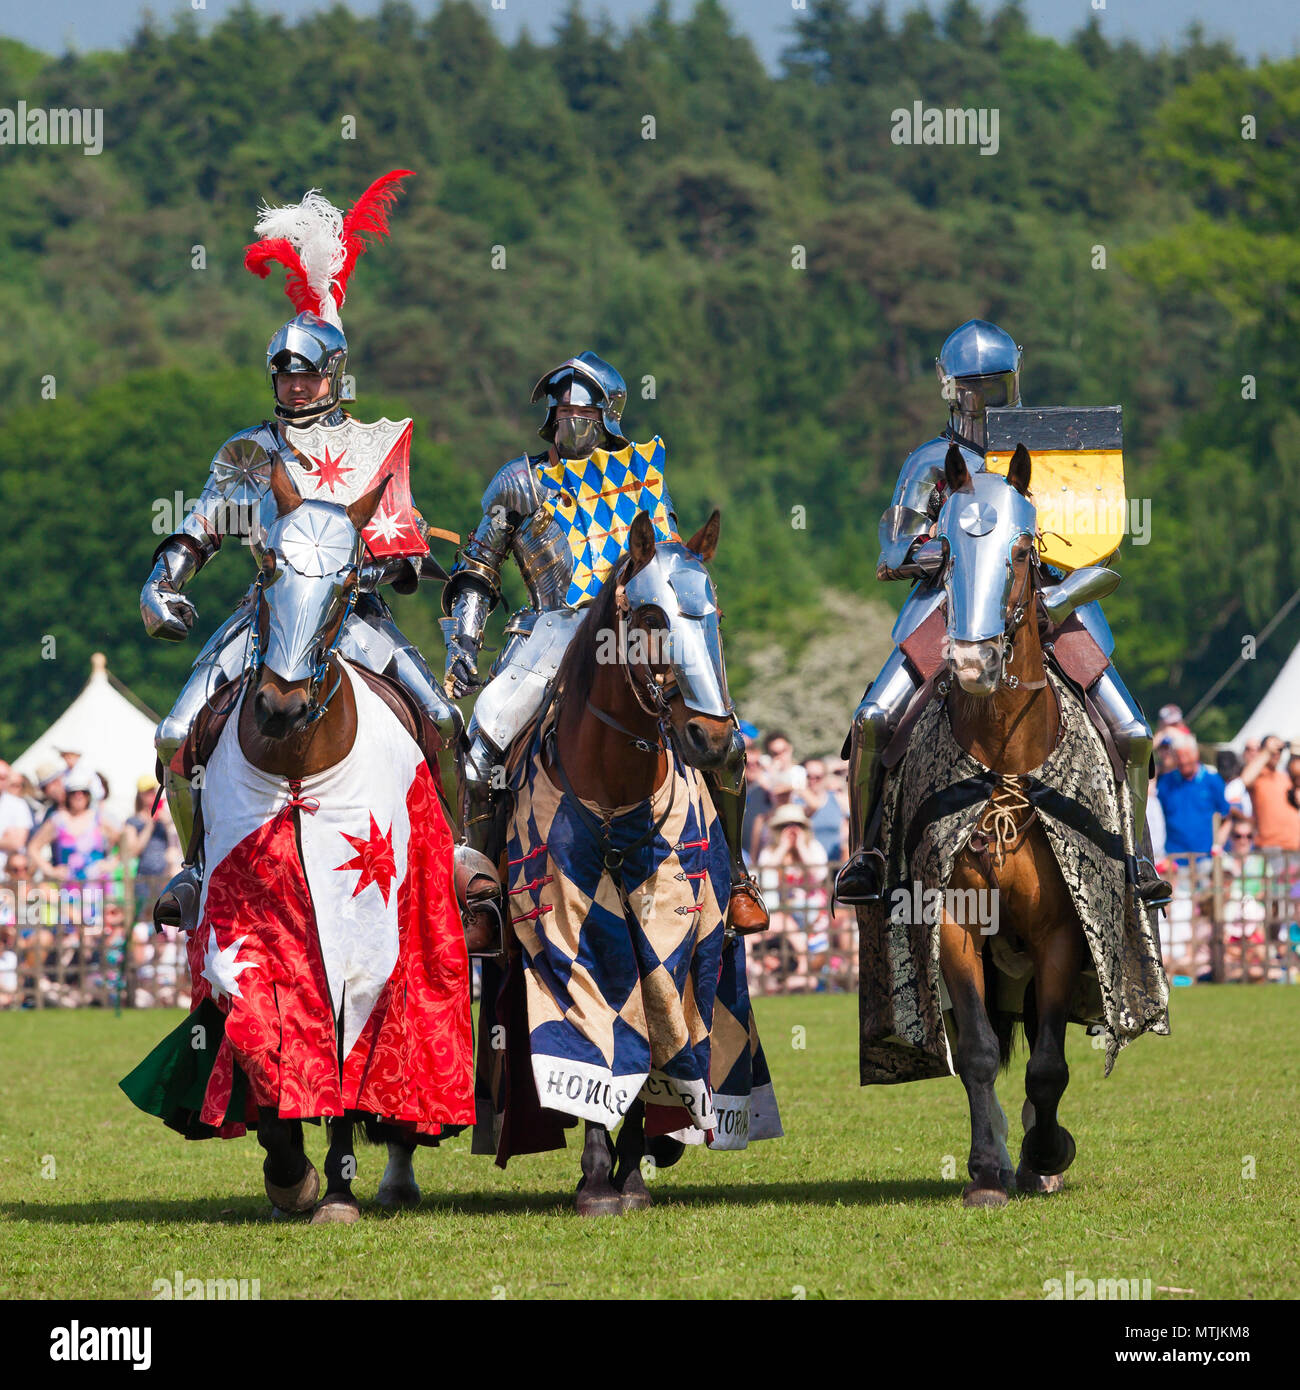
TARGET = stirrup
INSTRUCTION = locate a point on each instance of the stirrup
(753, 915)
(861, 879)
(178, 903)
(484, 939)
(1147, 883)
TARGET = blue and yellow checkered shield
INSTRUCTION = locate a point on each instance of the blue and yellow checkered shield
(594, 502)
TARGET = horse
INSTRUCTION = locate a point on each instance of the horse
(1005, 713)
(299, 713)
(641, 708)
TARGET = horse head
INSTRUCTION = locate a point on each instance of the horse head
(669, 639)
(989, 528)
(307, 586)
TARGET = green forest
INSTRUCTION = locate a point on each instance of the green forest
(771, 273)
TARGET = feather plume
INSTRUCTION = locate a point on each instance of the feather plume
(315, 229)
(319, 246)
(261, 255)
(368, 220)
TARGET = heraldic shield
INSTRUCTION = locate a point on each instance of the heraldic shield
(339, 463)
(1078, 476)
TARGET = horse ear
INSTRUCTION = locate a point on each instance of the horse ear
(360, 511)
(954, 468)
(705, 541)
(1019, 469)
(287, 497)
(641, 543)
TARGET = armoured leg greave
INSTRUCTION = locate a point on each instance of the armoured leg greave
(1133, 742)
(875, 722)
(480, 802)
(746, 911)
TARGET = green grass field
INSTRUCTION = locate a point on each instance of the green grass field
(854, 1202)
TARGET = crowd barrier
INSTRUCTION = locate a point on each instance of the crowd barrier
(1233, 919)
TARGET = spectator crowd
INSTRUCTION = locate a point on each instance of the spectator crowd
(76, 892)
(77, 888)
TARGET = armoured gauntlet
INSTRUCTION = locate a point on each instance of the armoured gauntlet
(167, 613)
(464, 634)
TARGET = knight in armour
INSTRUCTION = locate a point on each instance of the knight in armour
(978, 368)
(329, 454)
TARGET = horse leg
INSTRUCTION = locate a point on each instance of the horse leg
(630, 1149)
(597, 1195)
(1048, 1147)
(338, 1206)
(398, 1188)
(989, 1164)
(291, 1182)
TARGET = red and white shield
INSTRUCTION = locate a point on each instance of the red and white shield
(339, 463)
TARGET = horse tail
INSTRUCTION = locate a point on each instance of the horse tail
(1012, 1028)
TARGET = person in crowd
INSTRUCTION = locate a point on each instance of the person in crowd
(51, 783)
(1170, 720)
(1229, 766)
(827, 808)
(81, 838)
(72, 760)
(792, 872)
(780, 793)
(151, 843)
(1277, 820)
(758, 804)
(1191, 796)
(16, 819)
(780, 760)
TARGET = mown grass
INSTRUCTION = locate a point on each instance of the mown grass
(854, 1202)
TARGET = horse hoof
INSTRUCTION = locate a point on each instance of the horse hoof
(973, 1196)
(398, 1196)
(299, 1198)
(1038, 1184)
(635, 1195)
(1049, 1165)
(336, 1211)
(598, 1201)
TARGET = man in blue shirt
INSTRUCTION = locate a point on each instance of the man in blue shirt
(1191, 796)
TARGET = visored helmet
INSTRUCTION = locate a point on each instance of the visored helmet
(308, 344)
(978, 366)
(584, 380)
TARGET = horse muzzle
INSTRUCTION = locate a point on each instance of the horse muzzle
(705, 742)
(976, 665)
(279, 713)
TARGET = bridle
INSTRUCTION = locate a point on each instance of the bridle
(315, 708)
(1015, 620)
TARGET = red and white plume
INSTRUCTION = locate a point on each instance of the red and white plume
(318, 245)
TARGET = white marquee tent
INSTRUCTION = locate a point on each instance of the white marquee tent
(110, 728)
(1279, 711)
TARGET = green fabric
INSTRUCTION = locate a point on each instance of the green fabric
(171, 1081)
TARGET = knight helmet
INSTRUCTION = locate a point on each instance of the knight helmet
(978, 366)
(584, 380)
(318, 245)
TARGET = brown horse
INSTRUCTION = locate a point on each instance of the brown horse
(620, 705)
(295, 728)
(1005, 714)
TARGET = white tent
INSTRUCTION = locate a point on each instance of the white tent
(110, 728)
(1279, 711)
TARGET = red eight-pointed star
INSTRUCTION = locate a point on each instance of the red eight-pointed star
(331, 470)
(374, 859)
